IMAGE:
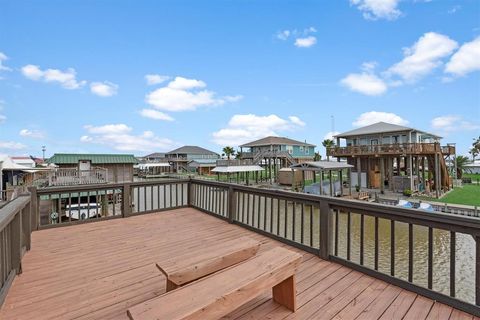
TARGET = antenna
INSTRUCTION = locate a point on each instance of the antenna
(44, 148)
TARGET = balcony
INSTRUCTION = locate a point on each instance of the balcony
(397, 149)
(73, 176)
(98, 270)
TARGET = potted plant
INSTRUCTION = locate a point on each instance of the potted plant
(407, 192)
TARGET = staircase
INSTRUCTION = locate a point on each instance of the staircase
(257, 158)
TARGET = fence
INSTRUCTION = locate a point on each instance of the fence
(15, 231)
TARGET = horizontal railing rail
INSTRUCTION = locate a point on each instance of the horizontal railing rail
(393, 149)
(15, 231)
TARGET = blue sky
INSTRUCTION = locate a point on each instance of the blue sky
(143, 76)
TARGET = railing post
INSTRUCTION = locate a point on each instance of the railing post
(127, 200)
(28, 225)
(325, 230)
(16, 242)
(231, 204)
(34, 209)
(477, 270)
(190, 193)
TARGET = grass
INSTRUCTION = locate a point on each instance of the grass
(467, 195)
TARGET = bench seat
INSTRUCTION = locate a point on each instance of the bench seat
(219, 294)
(200, 262)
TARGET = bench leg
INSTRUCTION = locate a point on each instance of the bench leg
(284, 293)
(171, 286)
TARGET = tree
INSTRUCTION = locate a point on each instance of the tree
(328, 143)
(475, 150)
(317, 156)
(228, 151)
(461, 162)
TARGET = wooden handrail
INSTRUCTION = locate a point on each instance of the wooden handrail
(394, 148)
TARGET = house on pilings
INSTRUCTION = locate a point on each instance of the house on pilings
(387, 156)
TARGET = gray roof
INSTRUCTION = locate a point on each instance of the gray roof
(233, 169)
(192, 150)
(155, 155)
(267, 141)
(379, 127)
(321, 165)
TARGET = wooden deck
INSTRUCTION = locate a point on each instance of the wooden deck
(98, 270)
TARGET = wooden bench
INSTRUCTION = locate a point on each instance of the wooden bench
(363, 195)
(198, 263)
(219, 294)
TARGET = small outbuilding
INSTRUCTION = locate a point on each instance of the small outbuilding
(331, 177)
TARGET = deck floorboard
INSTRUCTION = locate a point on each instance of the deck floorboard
(98, 270)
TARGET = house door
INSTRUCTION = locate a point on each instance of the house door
(84, 165)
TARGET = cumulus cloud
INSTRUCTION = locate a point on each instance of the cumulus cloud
(104, 89)
(365, 83)
(12, 145)
(120, 137)
(372, 117)
(466, 59)
(67, 79)
(182, 94)
(378, 9)
(450, 123)
(3, 58)
(154, 114)
(3, 118)
(329, 135)
(302, 38)
(153, 79)
(423, 57)
(34, 134)
(246, 127)
(306, 42)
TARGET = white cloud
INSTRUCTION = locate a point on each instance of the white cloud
(182, 94)
(35, 134)
(154, 114)
(3, 57)
(450, 123)
(119, 137)
(303, 39)
(12, 145)
(2, 118)
(67, 79)
(378, 9)
(246, 127)
(153, 79)
(372, 117)
(296, 120)
(423, 57)
(365, 83)
(329, 135)
(466, 59)
(104, 89)
(305, 42)
(283, 35)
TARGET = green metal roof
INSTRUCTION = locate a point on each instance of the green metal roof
(73, 158)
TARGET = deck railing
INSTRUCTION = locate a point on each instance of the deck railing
(392, 149)
(73, 176)
(400, 246)
(15, 231)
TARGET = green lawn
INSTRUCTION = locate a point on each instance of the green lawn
(468, 195)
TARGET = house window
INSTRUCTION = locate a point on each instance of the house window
(301, 148)
(290, 149)
(307, 150)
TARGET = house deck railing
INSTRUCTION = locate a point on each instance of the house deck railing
(383, 245)
(392, 149)
(73, 176)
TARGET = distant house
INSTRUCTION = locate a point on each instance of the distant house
(278, 149)
(92, 168)
(192, 158)
(154, 157)
(24, 161)
(396, 157)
